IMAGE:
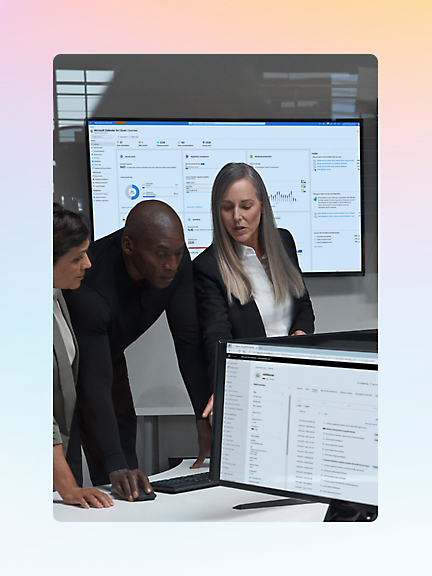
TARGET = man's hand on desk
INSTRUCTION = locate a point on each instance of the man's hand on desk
(125, 483)
(204, 442)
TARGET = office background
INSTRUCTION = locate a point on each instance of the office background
(215, 86)
(399, 35)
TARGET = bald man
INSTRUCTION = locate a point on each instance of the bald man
(137, 273)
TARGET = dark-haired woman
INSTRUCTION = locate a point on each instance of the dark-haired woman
(71, 240)
(248, 283)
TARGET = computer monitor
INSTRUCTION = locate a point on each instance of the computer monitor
(298, 417)
(312, 171)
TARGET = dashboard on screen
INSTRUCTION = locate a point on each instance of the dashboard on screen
(298, 420)
(311, 169)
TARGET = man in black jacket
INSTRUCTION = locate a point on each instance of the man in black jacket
(137, 273)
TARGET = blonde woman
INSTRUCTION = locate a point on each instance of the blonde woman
(248, 283)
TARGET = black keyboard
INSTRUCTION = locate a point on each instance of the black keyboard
(183, 483)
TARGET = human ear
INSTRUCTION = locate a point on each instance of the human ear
(127, 245)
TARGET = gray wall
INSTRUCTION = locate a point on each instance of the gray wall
(217, 86)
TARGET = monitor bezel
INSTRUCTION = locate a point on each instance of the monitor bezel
(358, 121)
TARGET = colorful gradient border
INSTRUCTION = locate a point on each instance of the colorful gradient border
(398, 34)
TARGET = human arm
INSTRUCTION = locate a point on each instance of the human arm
(204, 434)
(68, 489)
(204, 441)
(183, 322)
(91, 317)
(212, 306)
(213, 317)
(208, 410)
(304, 319)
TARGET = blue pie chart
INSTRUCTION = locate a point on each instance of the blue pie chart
(132, 192)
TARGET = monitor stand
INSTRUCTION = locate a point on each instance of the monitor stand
(344, 512)
(337, 511)
(270, 503)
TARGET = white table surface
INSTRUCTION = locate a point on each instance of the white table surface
(207, 505)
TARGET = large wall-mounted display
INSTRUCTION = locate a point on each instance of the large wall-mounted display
(312, 171)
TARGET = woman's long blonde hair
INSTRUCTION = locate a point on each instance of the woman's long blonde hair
(284, 274)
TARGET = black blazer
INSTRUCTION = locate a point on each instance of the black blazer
(220, 320)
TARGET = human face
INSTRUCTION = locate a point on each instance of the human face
(156, 260)
(241, 213)
(70, 268)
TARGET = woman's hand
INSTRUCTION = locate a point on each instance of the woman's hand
(85, 497)
(208, 410)
(69, 490)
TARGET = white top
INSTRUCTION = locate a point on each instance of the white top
(64, 328)
(277, 319)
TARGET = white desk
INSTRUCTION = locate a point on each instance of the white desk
(208, 505)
